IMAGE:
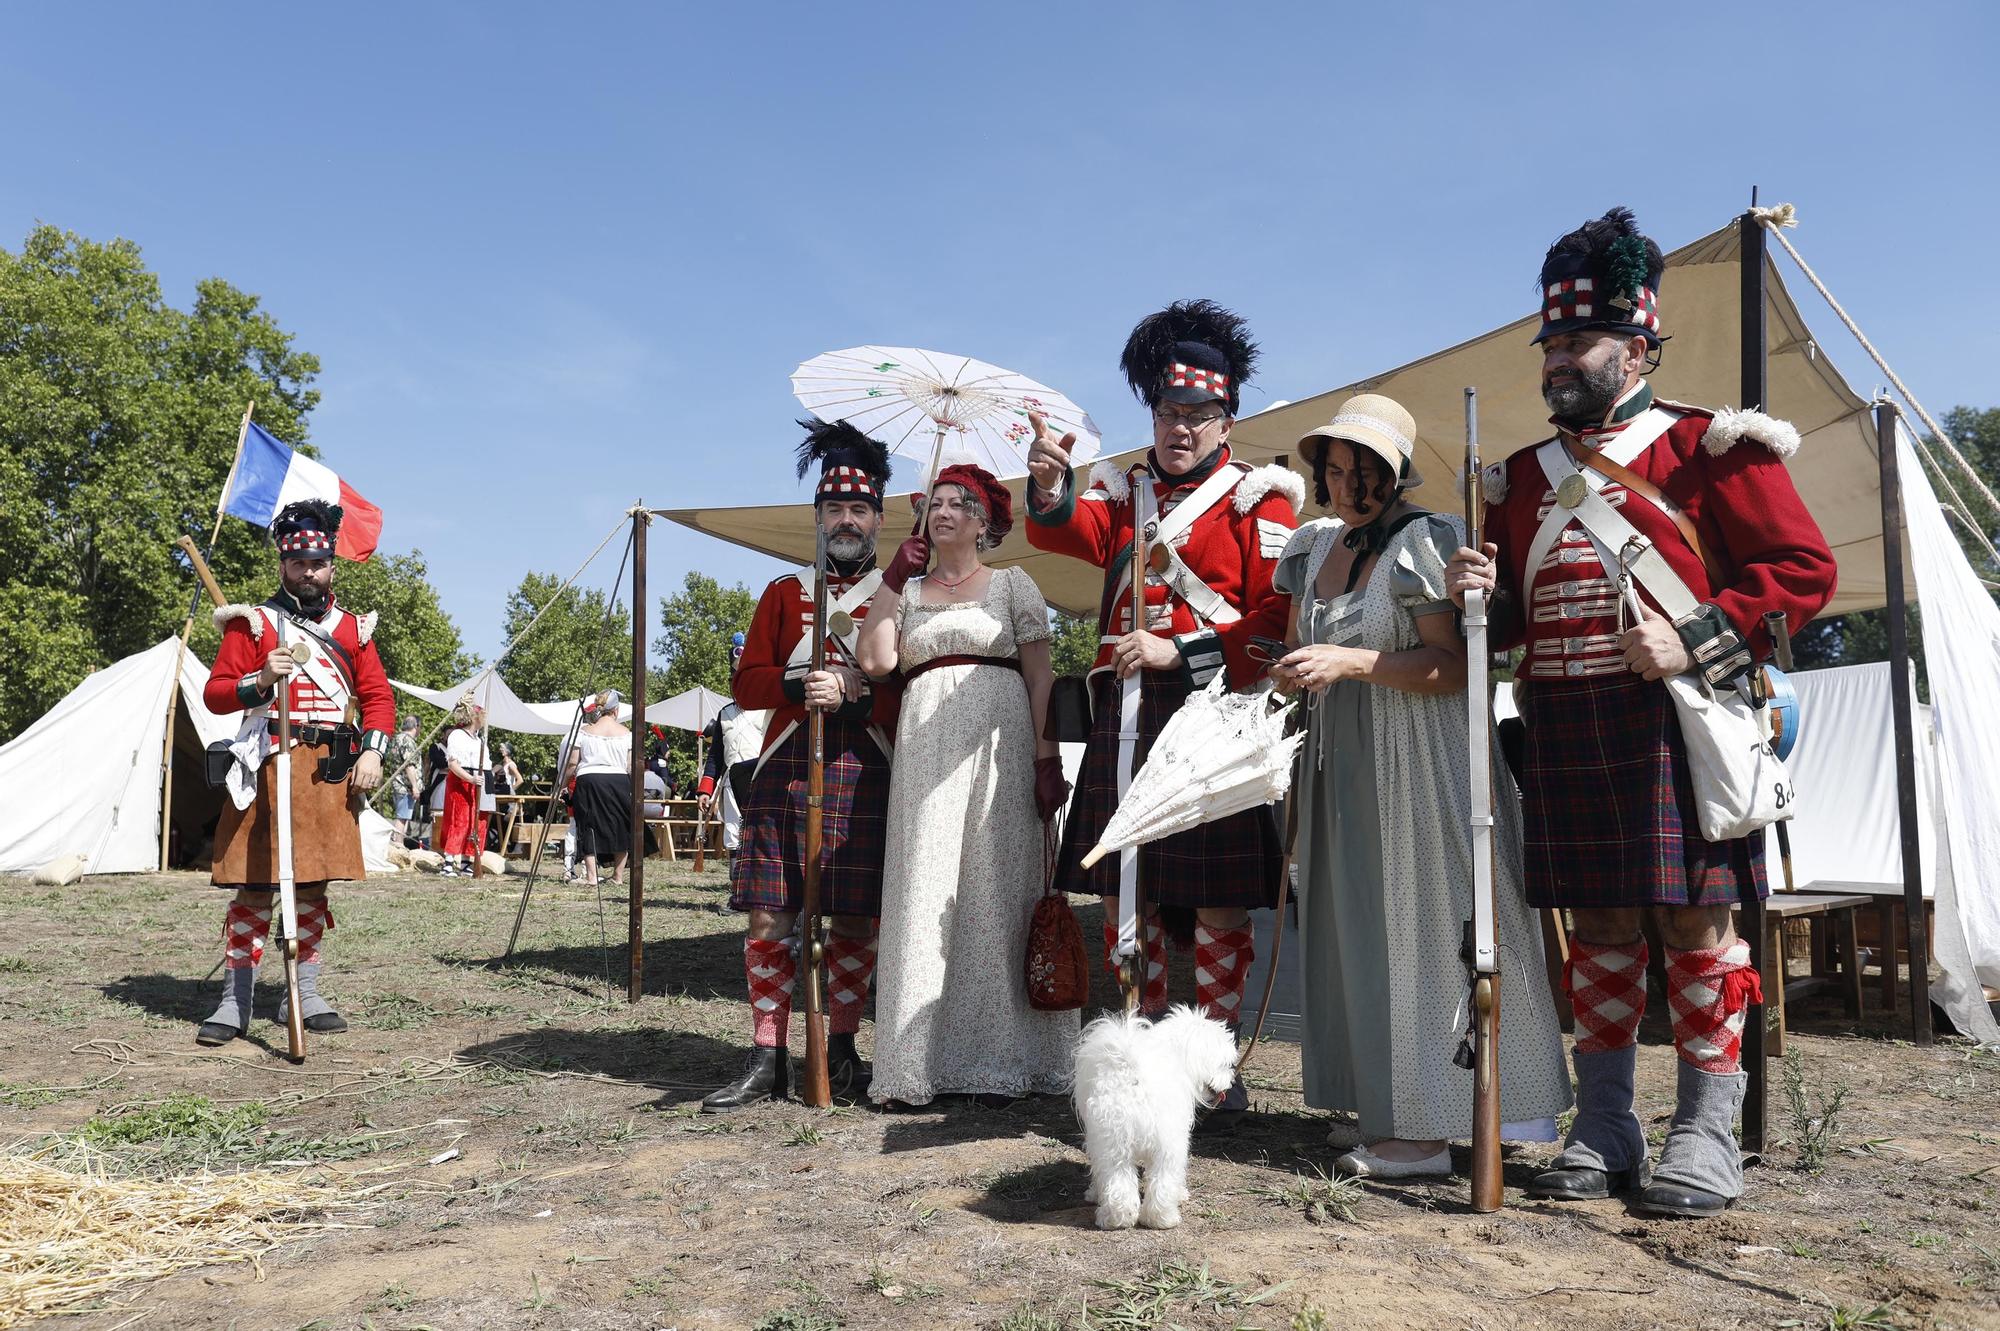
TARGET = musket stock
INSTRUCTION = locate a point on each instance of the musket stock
(817, 1088)
(1484, 955)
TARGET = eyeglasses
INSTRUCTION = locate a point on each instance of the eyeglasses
(1193, 420)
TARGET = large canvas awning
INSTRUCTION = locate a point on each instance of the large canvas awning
(1835, 467)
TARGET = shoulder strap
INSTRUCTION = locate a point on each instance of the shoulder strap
(1646, 490)
(343, 660)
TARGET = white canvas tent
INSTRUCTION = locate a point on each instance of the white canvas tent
(690, 709)
(504, 711)
(85, 779)
(1837, 472)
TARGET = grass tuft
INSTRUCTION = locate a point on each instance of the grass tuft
(1321, 1196)
(1815, 1127)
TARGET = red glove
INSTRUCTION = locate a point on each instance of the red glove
(1051, 791)
(911, 558)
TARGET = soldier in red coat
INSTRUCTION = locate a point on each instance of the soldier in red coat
(1215, 528)
(767, 872)
(1611, 826)
(340, 678)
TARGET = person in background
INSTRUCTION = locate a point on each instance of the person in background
(406, 780)
(462, 829)
(734, 737)
(601, 762)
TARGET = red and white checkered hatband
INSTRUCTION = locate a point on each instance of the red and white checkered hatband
(1576, 298)
(1194, 376)
(844, 482)
(300, 543)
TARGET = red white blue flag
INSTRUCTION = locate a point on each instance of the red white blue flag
(270, 474)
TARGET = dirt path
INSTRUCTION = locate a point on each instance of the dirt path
(586, 1193)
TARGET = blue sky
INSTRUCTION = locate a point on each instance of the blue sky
(555, 258)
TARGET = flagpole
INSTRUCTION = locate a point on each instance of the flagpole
(180, 657)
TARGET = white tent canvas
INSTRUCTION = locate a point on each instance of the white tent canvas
(504, 711)
(85, 779)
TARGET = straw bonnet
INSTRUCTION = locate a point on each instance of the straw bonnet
(1376, 423)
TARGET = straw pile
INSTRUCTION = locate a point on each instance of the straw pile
(71, 1232)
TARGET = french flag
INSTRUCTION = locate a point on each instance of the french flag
(270, 475)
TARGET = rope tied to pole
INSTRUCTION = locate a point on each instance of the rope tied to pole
(1780, 218)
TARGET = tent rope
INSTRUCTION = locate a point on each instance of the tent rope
(473, 684)
(1783, 216)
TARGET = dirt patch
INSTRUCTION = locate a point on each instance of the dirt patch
(576, 1186)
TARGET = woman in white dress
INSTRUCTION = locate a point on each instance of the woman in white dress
(1384, 851)
(973, 782)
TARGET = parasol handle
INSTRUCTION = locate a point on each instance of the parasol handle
(930, 484)
(1096, 853)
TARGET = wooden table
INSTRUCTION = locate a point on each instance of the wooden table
(1824, 910)
(683, 826)
(1891, 923)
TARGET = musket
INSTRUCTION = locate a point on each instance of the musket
(1483, 951)
(288, 900)
(288, 904)
(1132, 967)
(817, 1089)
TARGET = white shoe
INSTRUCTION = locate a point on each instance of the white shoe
(1364, 1163)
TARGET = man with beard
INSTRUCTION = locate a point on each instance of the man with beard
(1612, 831)
(767, 873)
(340, 676)
(1215, 528)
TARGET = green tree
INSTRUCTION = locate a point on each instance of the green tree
(1072, 643)
(118, 422)
(693, 645)
(574, 650)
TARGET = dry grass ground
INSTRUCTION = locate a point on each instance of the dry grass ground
(575, 1186)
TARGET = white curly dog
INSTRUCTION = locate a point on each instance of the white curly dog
(1138, 1084)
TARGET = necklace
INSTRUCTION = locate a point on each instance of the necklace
(950, 584)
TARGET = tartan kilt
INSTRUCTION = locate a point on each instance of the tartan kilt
(767, 872)
(1609, 817)
(1232, 861)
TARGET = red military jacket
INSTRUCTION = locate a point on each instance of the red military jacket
(777, 657)
(1233, 546)
(248, 637)
(1726, 474)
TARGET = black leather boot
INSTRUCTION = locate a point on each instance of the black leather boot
(845, 1071)
(767, 1074)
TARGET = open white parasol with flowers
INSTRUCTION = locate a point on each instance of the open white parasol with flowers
(914, 401)
(1221, 753)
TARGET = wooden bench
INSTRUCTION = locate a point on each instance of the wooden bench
(1824, 911)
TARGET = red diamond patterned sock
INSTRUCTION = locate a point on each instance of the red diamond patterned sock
(1709, 990)
(850, 963)
(1607, 988)
(770, 968)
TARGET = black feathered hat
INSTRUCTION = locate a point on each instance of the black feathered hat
(1192, 351)
(1604, 274)
(851, 465)
(307, 529)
